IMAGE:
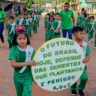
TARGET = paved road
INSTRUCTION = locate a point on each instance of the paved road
(6, 71)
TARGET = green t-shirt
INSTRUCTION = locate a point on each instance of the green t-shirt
(2, 15)
(95, 25)
(29, 10)
(26, 21)
(11, 29)
(88, 51)
(56, 25)
(20, 21)
(86, 48)
(66, 17)
(20, 55)
(90, 27)
(86, 20)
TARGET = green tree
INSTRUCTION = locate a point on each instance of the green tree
(29, 2)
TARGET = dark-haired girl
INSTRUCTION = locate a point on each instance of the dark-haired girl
(56, 27)
(49, 27)
(46, 21)
(11, 26)
(21, 57)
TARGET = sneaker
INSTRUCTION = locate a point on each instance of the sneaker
(81, 93)
(74, 93)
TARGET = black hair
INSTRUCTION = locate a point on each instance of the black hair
(52, 17)
(29, 13)
(82, 9)
(57, 14)
(67, 4)
(77, 29)
(48, 14)
(11, 17)
(25, 15)
(20, 14)
(78, 13)
(19, 33)
(91, 17)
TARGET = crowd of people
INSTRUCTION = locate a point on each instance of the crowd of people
(89, 25)
(21, 28)
(64, 23)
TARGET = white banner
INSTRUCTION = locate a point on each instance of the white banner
(58, 64)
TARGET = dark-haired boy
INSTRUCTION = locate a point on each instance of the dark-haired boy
(56, 26)
(11, 26)
(79, 38)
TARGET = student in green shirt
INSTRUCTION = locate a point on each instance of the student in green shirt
(56, 26)
(46, 22)
(86, 20)
(68, 21)
(30, 24)
(20, 20)
(90, 28)
(29, 9)
(38, 18)
(2, 19)
(49, 27)
(79, 38)
(35, 19)
(11, 26)
(21, 58)
(26, 23)
(78, 19)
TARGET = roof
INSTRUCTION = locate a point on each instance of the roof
(12, 1)
(90, 1)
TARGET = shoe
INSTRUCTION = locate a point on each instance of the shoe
(74, 93)
(81, 93)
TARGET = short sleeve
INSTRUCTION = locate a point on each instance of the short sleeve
(12, 54)
(72, 13)
(88, 50)
(33, 54)
(95, 25)
(60, 13)
(7, 26)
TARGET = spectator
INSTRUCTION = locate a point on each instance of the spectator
(68, 20)
(2, 19)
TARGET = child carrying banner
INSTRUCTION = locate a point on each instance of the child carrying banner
(79, 38)
(21, 57)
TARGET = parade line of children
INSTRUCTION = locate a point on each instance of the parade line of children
(89, 25)
(21, 53)
(52, 26)
(53, 30)
(29, 22)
